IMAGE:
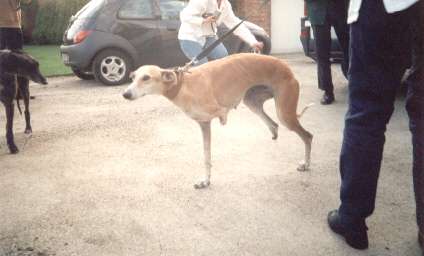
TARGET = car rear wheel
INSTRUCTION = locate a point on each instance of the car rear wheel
(81, 74)
(112, 67)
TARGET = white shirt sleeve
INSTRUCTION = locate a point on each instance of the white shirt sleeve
(391, 6)
(398, 5)
(230, 20)
(192, 13)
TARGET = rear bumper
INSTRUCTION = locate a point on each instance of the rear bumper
(79, 55)
(82, 55)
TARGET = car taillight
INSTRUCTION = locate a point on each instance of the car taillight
(81, 35)
(305, 33)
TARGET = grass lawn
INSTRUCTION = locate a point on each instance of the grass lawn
(49, 58)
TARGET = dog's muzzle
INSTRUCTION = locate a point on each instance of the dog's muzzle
(127, 95)
(44, 81)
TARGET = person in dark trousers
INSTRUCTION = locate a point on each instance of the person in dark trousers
(324, 14)
(380, 39)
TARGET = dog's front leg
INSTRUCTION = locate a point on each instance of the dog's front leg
(10, 109)
(206, 133)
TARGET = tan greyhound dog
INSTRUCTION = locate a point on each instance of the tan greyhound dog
(213, 89)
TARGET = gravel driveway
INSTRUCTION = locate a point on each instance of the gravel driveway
(104, 176)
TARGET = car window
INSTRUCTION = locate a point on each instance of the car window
(170, 9)
(136, 9)
(89, 9)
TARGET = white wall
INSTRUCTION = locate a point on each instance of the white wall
(285, 25)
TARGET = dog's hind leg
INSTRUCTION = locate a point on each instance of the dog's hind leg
(286, 100)
(292, 123)
(206, 134)
(307, 139)
(254, 100)
(23, 89)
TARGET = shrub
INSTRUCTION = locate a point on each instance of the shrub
(52, 19)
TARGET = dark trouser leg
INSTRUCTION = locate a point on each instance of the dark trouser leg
(323, 45)
(342, 32)
(377, 42)
(11, 38)
(415, 108)
(337, 15)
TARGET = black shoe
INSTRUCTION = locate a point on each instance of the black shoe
(327, 98)
(355, 237)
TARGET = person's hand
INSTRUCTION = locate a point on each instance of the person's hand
(209, 19)
(257, 47)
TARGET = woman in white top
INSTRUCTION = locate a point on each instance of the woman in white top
(199, 21)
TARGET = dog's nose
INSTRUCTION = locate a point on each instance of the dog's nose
(127, 95)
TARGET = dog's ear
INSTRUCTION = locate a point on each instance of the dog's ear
(132, 75)
(169, 77)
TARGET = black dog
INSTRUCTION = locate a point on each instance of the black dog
(15, 64)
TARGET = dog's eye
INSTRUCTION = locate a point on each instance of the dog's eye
(145, 78)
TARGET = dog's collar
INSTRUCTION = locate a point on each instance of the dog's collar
(175, 89)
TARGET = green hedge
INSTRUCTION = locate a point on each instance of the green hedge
(52, 19)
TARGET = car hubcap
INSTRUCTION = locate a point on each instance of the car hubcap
(113, 68)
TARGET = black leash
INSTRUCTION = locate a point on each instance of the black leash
(212, 46)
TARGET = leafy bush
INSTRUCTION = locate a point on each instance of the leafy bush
(52, 19)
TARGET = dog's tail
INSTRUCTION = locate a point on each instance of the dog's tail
(19, 105)
(304, 109)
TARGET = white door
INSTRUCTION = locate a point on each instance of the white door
(285, 25)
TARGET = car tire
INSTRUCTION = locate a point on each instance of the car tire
(112, 67)
(82, 75)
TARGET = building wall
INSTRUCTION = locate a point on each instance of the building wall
(256, 12)
(280, 18)
(285, 25)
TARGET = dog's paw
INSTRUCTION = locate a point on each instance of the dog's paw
(28, 131)
(202, 184)
(274, 132)
(13, 149)
(303, 167)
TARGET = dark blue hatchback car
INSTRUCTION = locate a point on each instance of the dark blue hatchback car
(107, 39)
